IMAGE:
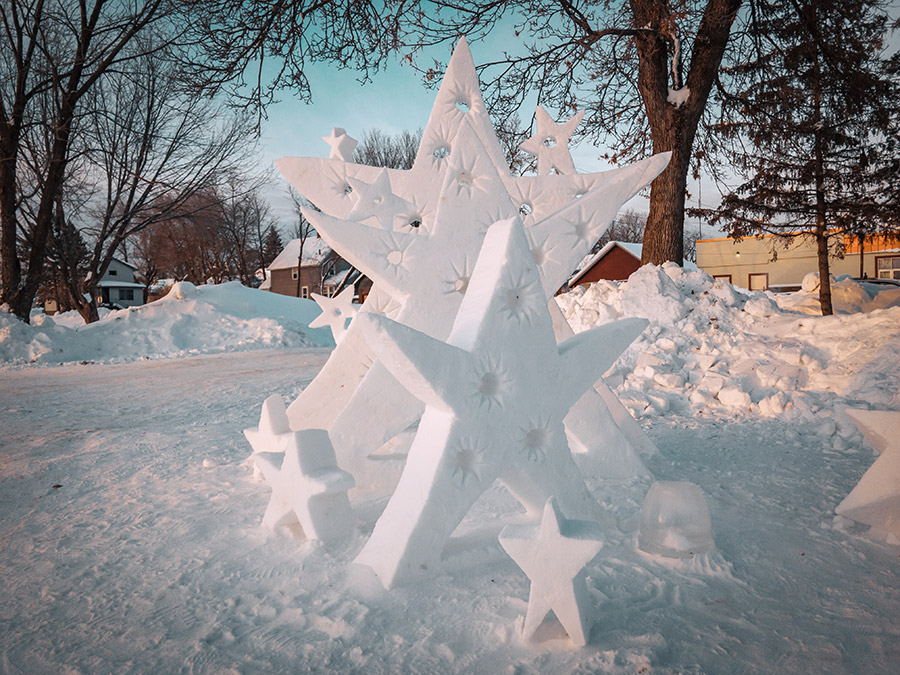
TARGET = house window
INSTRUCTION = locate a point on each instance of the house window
(126, 294)
(726, 277)
(294, 273)
(304, 291)
(111, 272)
(888, 267)
(759, 281)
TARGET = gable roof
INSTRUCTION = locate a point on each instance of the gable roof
(633, 249)
(315, 250)
(127, 264)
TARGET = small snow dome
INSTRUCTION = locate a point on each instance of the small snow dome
(675, 521)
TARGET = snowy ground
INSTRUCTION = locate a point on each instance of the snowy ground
(130, 538)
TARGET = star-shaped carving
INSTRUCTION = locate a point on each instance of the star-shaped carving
(458, 115)
(336, 313)
(342, 145)
(420, 269)
(375, 200)
(875, 500)
(551, 143)
(553, 556)
(272, 433)
(521, 434)
(308, 487)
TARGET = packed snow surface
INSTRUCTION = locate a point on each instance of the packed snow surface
(188, 320)
(130, 517)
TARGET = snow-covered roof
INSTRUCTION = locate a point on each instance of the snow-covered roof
(113, 283)
(634, 249)
(314, 252)
(266, 284)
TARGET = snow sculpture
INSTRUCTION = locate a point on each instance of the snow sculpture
(496, 394)
(675, 521)
(272, 433)
(458, 158)
(307, 487)
(336, 313)
(551, 143)
(553, 556)
(342, 145)
(875, 500)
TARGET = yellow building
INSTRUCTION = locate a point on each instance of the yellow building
(748, 263)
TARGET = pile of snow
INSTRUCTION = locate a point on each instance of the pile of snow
(188, 320)
(714, 348)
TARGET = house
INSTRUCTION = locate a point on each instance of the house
(318, 272)
(116, 288)
(616, 261)
(749, 262)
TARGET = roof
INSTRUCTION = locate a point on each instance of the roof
(631, 248)
(114, 283)
(315, 250)
(127, 264)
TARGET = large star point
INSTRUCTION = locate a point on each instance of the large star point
(875, 500)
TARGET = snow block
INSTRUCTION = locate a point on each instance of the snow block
(553, 555)
(675, 521)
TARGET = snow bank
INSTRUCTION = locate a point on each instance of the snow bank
(188, 320)
(715, 348)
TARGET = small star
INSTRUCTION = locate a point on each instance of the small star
(875, 500)
(336, 312)
(375, 200)
(551, 143)
(553, 557)
(272, 433)
(342, 145)
(308, 487)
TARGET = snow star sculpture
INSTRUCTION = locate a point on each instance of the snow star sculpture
(553, 555)
(416, 233)
(496, 394)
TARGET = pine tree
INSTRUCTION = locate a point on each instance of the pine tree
(809, 125)
(271, 246)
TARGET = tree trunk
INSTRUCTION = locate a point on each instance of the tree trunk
(10, 269)
(674, 128)
(821, 218)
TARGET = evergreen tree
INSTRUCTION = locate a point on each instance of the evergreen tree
(809, 127)
(271, 246)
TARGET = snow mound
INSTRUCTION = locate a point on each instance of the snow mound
(714, 348)
(188, 320)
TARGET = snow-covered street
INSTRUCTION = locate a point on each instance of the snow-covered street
(131, 543)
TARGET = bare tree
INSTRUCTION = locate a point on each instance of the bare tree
(63, 49)
(378, 148)
(302, 230)
(152, 154)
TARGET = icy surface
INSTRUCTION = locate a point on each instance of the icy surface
(675, 521)
(149, 557)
